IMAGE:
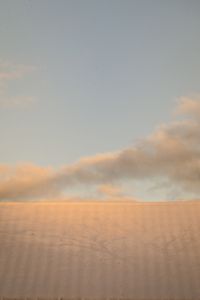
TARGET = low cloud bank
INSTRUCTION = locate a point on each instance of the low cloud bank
(171, 153)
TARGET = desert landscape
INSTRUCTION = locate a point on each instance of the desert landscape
(100, 250)
(99, 150)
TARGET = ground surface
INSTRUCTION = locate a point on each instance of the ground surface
(149, 251)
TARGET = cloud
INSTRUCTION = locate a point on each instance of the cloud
(188, 106)
(113, 193)
(10, 72)
(17, 102)
(170, 153)
(25, 180)
(110, 190)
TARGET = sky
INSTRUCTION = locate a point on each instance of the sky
(84, 84)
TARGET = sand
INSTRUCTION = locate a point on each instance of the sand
(99, 250)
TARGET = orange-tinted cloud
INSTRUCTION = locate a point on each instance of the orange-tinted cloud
(24, 180)
(172, 153)
(189, 106)
(110, 190)
(113, 193)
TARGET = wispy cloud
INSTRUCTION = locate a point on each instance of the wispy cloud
(9, 73)
(17, 102)
(171, 153)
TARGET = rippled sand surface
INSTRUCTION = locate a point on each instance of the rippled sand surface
(130, 250)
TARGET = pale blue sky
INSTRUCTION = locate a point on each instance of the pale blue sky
(105, 73)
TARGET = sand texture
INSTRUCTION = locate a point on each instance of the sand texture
(99, 250)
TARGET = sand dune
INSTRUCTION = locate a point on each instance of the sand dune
(130, 250)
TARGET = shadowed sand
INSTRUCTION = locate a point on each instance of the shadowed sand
(130, 250)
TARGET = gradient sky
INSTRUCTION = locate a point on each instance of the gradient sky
(88, 77)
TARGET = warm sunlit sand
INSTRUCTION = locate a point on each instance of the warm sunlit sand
(135, 250)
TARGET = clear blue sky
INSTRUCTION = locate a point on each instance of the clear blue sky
(102, 74)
